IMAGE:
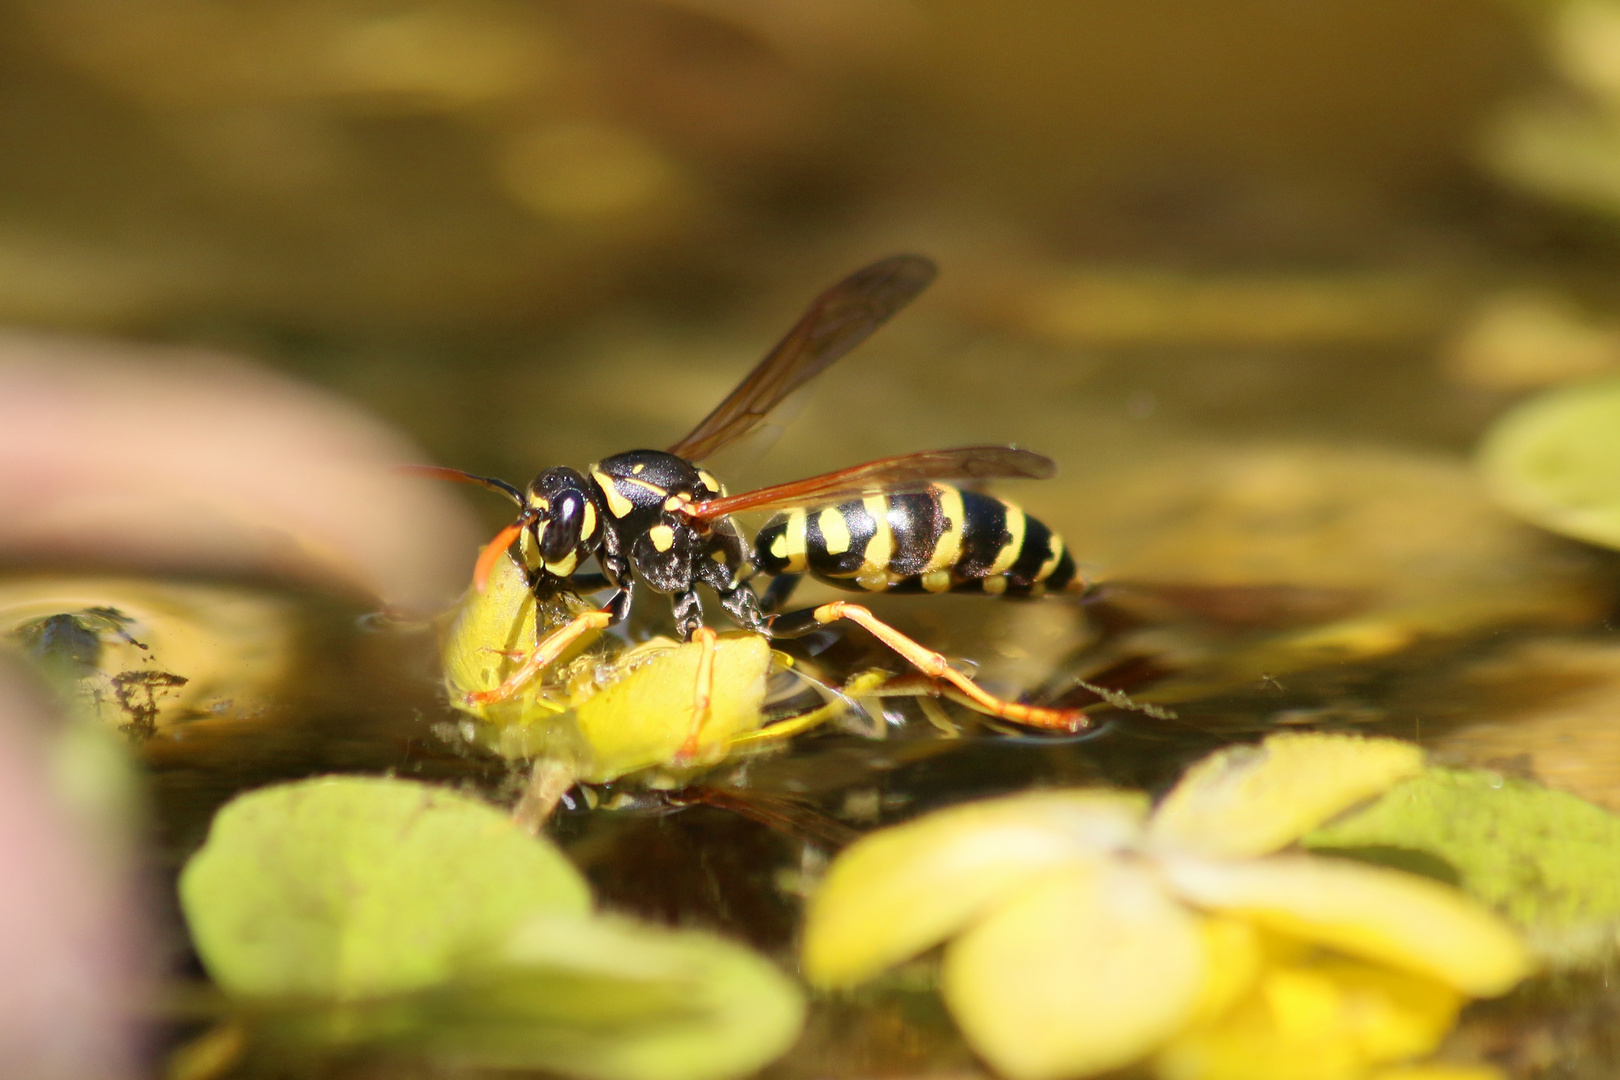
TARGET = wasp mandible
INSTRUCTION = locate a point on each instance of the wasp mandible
(659, 518)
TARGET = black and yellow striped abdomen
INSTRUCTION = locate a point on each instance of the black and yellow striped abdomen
(942, 539)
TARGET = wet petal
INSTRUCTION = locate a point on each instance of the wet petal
(642, 720)
(1253, 800)
(903, 890)
(1085, 970)
(1400, 919)
(1327, 1018)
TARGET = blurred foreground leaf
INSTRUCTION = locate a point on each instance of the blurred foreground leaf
(605, 998)
(614, 999)
(1555, 461)
(1548, 860)
(351, 887)
(354, 912)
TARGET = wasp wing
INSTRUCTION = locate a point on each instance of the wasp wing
(908, 472)
(839, 319)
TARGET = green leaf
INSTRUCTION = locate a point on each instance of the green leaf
(903, 890)
(1555, 461)
(1085, 970)
(1253, 800)
(1546, 859)
(350, 887)
(604, 998)
(613, 999)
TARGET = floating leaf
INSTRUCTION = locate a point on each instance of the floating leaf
(349, 887)
(1086, 970)
(1546, 859)
(1555, 461)
(613, 999)
(1252, 800)
(1320, 1017)
(1365, 911)
(900, 891)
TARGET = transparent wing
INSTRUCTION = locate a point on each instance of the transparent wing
(839, 319)
(908, 472)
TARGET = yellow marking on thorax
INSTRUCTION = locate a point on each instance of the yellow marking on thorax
(937, 581)
(618, 505)
(679, 501)
(1008, 555)
(636, 469)
(949, 544)
(834, 531)
(662, 537)
(1054, 552)
(654, 488)
(542, 504)
(718, 556)
(797, 524)
(565, 565)
(707, 479)
(587, 526)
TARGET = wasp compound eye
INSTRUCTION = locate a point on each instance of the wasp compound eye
(564, 527)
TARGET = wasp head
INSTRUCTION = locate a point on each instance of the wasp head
(563, 516)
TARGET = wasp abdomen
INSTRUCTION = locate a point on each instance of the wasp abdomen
(942, 539)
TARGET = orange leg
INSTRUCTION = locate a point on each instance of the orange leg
(702, 694)
(933, 665)
(544, 654)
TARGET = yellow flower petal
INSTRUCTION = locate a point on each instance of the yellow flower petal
(1439, 1071)
(1368, 911)
(900, 891)
(642, 720)
(1321, 1018)
(1254, 800)
(1086, 970)
(1236, 954)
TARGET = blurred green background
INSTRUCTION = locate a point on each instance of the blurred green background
(540, 231)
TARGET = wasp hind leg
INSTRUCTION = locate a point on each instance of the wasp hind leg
(930, 663)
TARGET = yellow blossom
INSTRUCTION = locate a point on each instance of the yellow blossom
(1082, 934)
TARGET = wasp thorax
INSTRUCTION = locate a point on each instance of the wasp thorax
(565, 515)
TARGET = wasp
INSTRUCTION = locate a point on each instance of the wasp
(659, 519)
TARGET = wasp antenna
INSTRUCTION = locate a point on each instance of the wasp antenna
(494, 550)
(440, 472)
